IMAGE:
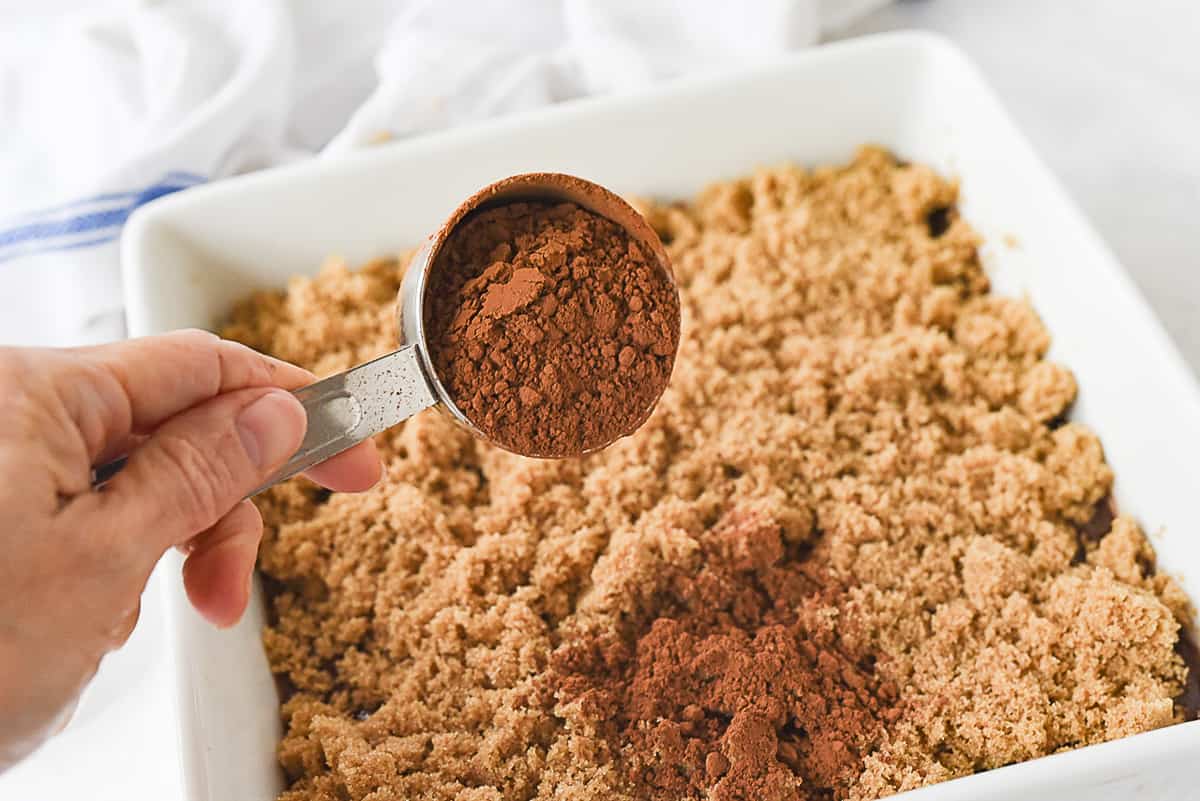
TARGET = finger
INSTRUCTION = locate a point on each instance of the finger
(200, 464)
(220, 563)
(164, 375)
(352, 470)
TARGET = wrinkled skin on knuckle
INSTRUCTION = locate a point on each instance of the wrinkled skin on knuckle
(22, 418)
(207, 479)
(99, 401)
(36, 444)
(22, 389)
(10, 367)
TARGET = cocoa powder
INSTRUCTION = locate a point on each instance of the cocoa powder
(740, 689)
(553, 331)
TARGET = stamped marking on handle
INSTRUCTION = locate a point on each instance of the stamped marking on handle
(345, 409)
(332, 415)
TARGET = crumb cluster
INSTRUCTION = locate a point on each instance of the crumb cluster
(861, 464)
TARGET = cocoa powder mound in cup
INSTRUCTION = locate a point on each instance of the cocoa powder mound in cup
(550, 327)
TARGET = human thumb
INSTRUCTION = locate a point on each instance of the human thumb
(199, 464)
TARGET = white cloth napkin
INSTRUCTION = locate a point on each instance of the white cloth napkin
(104, 109)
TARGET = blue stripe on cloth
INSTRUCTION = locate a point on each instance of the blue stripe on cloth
(56, 228)
(107, 197)
(184, 175)
(175, 177)
(76, 245)
(52, 235)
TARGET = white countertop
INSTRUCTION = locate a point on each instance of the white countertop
(1106, 91)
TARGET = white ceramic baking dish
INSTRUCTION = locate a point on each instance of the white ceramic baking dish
(189, 256)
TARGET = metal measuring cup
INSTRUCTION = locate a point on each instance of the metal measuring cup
(349, 407)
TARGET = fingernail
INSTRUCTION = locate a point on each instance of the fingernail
(267, 428)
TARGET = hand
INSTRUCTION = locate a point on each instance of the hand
(204, 421)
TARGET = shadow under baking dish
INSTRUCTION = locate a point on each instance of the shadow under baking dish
(188, 257)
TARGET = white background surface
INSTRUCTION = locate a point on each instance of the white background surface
(1109, 93)
(1106, 90)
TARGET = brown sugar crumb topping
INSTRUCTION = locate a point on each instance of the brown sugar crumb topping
(841, 559)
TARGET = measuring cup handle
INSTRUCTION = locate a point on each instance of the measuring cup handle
(345, 409)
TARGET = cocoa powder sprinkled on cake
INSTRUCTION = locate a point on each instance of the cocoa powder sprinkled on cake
(738, 689)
